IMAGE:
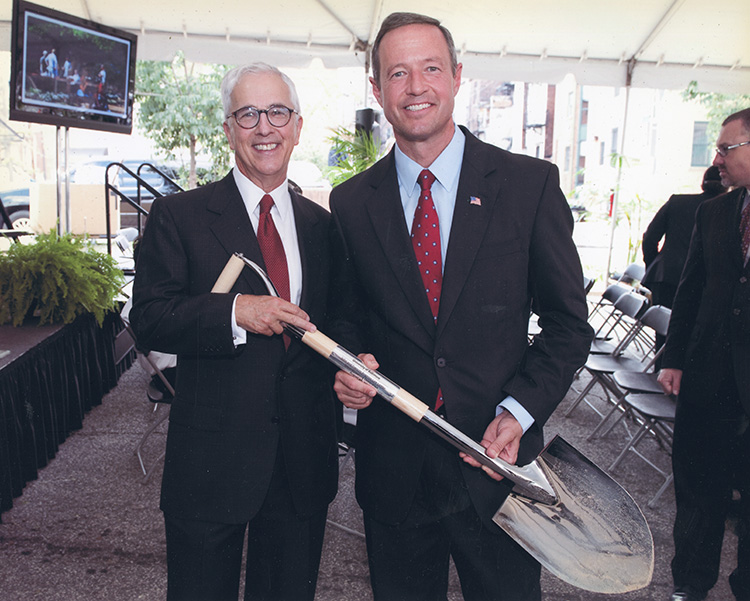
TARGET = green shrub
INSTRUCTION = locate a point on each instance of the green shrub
(58, 277)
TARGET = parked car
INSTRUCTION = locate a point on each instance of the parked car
(16, 203)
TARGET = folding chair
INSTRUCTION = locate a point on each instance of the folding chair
(124, 242)
(600, 367)
(641, 381)
(656, 412)
(657, 318)
(534, 328)
(633, 273)
(603, 313)
(154, 364)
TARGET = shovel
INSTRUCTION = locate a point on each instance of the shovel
(563, 510)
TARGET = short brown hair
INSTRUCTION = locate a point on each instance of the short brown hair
(396, 20)
(743, 115)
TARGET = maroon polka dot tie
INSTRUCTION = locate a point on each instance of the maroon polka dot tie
(425, 238)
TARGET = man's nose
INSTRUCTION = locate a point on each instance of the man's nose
(264, 125)
(416, 84)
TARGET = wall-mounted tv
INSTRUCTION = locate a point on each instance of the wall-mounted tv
(70, 72)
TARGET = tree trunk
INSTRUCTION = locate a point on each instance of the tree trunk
(193, 176)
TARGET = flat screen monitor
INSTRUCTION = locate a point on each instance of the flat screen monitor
(70, 72)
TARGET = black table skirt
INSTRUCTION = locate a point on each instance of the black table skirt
(53, 376)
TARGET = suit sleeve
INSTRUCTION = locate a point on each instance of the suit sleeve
(654, 233)
(687, 301)
(558, 298)
(173, 311)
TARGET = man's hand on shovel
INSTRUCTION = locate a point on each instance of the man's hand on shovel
(267, 315)
(502, 439)
(353, 392)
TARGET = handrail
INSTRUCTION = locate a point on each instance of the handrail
(133, 202)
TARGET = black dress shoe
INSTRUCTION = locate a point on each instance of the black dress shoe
(687, 594)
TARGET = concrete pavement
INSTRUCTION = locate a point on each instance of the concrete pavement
(88, 529)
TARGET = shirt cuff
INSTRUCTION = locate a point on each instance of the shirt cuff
(522, 416)
(239, 335)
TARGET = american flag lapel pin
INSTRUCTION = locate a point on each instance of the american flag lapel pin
(475, 200)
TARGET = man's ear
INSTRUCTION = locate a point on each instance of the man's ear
(228, 134)
(375, 90)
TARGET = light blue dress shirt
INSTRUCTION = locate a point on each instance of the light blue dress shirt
(447, 170)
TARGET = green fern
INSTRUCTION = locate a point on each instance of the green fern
(60, 277)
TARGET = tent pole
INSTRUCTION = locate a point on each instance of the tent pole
(620, 160)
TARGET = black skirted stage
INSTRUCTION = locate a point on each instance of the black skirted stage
(52, 376)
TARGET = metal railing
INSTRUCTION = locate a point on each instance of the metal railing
(136, 202)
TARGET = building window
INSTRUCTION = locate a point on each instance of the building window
(615, 134)
(701, 156)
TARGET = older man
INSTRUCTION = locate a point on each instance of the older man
(445, 312)
(707, 364)
(251, 443)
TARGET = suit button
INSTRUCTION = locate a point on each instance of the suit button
(743, 279)
(737, 311)
(275, 419)
(441, 362)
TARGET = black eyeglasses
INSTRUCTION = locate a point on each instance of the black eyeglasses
(248, 117)
(723, 151)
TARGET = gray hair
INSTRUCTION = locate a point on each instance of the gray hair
(396, 20)
(232, 78)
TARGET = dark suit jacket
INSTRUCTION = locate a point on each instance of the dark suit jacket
(709, 330)
(234, 405)
(511, 244)
(674, 222)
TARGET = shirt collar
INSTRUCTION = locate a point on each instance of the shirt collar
(251, 195)
(446, 167)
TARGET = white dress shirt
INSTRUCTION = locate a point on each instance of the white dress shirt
(283, 218)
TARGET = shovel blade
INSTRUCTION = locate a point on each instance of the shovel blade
(595, 537)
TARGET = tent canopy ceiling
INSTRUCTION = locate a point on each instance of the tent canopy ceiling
(666, 43)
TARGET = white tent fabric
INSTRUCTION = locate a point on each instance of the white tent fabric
(645, 43)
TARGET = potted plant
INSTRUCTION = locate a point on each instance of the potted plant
(354, 152)
(57, 278)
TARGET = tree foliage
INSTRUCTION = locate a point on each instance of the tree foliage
(179, 108)
(719, 106)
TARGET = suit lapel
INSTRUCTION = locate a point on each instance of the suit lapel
(308, 236)
(387, 217)
(475, 200)
(233, 229)
(736, 220)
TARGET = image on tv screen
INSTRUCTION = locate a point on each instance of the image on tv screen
(70, 67)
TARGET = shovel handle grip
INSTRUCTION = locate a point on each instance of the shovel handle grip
(229, 274)
(353, 365)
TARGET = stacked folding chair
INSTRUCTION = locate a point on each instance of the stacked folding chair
(643, 380)
(633, 351)
(643, 402)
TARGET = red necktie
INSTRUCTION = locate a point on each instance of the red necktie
(273, 251)
(745, 231)
(425, 238)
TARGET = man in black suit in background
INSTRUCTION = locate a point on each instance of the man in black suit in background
(706, 362)
(251, 443)
(674, 223)
(493, 230)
